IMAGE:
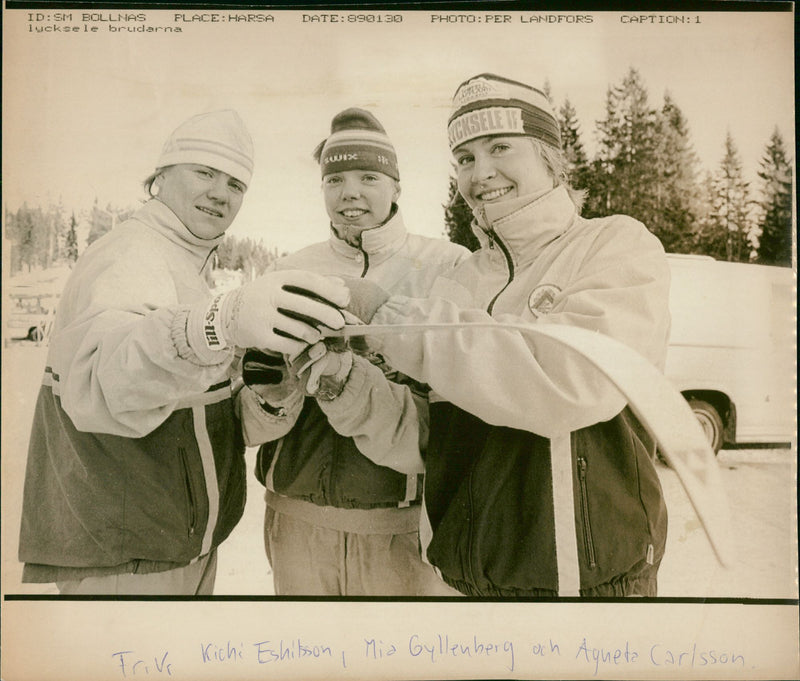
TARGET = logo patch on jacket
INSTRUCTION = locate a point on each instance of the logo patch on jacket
(541, 299)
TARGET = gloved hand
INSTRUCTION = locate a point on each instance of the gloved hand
(267, 374)
(365, 298)
(324, 371)
(279, 311)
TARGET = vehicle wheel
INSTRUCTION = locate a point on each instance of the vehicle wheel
(710, 421)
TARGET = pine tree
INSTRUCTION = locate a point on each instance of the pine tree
(731, 207)
(707, 237)
(675, 188)
(625, 169)
(71, 240)
(21, 231)
(577, 161)
(246, 255)
(54, 228)
(775, 239)
(39, 238)
(458, 219)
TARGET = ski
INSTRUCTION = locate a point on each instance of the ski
(656, 403)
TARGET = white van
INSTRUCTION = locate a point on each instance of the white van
(732, 348)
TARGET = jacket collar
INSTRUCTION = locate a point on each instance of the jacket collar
(156, 215)
(379, 242)
(525, 225)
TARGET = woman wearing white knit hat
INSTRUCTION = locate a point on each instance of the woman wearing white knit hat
(136, 467)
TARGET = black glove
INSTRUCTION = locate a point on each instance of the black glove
(268, 375)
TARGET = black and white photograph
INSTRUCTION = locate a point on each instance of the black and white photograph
(399, 342)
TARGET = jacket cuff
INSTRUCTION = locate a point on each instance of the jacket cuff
(186, 332)
(330, 387)
(260, 426)
(278, 408)
(354, 391)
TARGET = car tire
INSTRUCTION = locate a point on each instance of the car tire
(710, 421)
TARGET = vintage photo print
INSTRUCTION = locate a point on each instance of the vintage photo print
(608, 454)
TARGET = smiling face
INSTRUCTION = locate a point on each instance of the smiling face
(359, 199)
(206, 200)
(491, 169)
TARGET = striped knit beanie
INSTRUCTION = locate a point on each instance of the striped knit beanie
(492, 105)
(357, 142)
(218, 139)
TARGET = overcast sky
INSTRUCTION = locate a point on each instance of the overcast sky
(85, 114)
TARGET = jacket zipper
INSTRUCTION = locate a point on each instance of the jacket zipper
(366, 263)
(495, 239)
(208, 257)
(587, 528)
(189, 493)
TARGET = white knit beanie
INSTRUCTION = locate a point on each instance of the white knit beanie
(218, 139)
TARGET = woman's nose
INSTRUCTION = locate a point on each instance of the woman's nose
(483, 169)
(350, 189)
(218, 190)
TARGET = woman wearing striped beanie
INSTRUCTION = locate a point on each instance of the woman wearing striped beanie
(539, 480)
(341, 444)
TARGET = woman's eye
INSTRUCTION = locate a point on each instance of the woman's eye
(204, 173)
(238, 188)
(370, 178)
(501, 147)
(463, 160)
(332, 180)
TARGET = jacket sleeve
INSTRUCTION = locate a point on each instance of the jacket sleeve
(508, 378)
(385, 421)
(119, 351)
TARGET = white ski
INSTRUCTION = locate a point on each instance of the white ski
(656, 403)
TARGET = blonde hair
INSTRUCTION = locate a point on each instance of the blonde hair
(558, 168)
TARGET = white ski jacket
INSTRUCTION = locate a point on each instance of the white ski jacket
(539, 482)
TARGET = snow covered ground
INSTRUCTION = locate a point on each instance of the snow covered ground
(760, 485)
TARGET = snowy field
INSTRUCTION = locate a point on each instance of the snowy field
(760, 485)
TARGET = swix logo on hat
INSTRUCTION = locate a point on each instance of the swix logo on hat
(494, 120)
(366, 157)
(357, 142)
(337, 158)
